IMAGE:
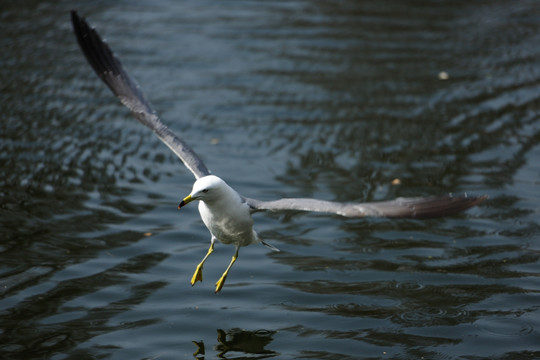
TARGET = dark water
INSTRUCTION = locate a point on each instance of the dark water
(301, 98)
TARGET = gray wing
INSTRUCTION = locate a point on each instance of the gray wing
(111, 71)
(418, 207)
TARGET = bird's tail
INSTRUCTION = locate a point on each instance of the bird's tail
(273, 248)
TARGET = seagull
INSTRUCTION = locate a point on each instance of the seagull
(227, 214)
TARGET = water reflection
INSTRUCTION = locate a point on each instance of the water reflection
(14, 280)
(58, 318)
(251, 343)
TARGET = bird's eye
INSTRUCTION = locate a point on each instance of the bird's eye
(205, 191)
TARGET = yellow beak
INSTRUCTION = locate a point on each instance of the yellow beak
(186, 201)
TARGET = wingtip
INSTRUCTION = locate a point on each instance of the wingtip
(432, 207)
(75, 16)
(462, 203)
(476, 200)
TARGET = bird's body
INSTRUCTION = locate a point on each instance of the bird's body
(227, 214)
(230, 224)
(224, 212)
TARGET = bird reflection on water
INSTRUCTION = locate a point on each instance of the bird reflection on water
(238, 340)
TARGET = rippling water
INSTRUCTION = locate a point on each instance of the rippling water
(302, 98)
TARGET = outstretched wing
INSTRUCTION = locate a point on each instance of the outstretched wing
(418, 207)
(111, 71)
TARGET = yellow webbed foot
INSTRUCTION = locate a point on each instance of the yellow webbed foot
(197, 275)
(221, 282)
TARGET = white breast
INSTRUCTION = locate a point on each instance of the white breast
(229, 220)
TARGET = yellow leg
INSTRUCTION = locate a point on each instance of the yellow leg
(197, 275)
(221, 281)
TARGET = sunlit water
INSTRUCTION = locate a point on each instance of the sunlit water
(333, 100)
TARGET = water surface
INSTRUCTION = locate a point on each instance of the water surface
(298, 98)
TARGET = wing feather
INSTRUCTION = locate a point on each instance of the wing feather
(111, 71)
(109, 68)
(417, 207)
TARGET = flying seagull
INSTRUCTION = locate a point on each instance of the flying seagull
(227, 214)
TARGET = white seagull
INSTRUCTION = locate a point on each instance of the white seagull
(227, 214)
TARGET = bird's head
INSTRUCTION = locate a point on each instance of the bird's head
(208, 188)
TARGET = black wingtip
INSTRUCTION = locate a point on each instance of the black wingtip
(445, 206)
(101, 58)
(480, 199)
(79, 24)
